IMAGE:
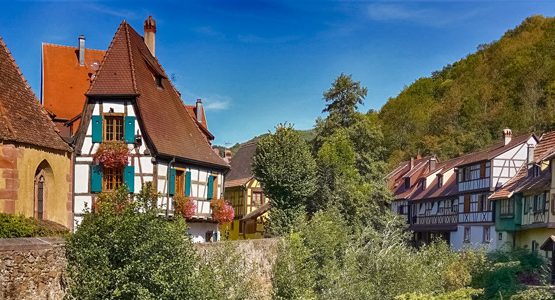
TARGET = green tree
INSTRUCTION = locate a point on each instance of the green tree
(343, 98)
(287, 171)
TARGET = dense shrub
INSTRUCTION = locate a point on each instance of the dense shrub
(505, 274)
(535, 293)
(327, 259)
(14, 226)
(124, 250)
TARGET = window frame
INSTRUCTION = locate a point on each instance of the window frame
(486, 234)
(108, 176)
(113, 118)
(467, 234)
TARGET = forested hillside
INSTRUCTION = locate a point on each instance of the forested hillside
(464, 107)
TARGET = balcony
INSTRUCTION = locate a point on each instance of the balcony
(447, 221)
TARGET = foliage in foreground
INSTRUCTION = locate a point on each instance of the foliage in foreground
(16, 226)
(326, 259)
(124, 250)
(504, 274)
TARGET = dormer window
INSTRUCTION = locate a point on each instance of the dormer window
(423, 184)
(158, 79)
(535, 171)
(439, 180)
(407, 182)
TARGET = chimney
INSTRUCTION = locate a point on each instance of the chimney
(199, 111)
(227, 155)
(433, 162)
(507, 136)
(81, 50)
(411, 163)
(150, 35)
(531, 153)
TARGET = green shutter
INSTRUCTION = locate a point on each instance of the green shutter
(96, 124)
(210, 192)
(171, 182)
(129, 130)
(129, 178)
(188, 183)
(96, 178)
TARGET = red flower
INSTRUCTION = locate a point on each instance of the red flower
(184, 206)
(113, 154)
(222, 212)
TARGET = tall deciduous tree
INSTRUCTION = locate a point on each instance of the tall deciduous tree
(287, 171)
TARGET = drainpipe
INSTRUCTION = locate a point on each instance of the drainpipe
(168, 186)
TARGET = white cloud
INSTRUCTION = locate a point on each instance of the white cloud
(217, 102)
(410, 13)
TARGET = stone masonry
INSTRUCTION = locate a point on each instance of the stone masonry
(33, 268)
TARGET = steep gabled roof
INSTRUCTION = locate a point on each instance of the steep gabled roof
(241, 165)
(22, 118)
(64, 81)
(129, 69)
(495, 150)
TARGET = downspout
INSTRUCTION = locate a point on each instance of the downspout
(168, 186)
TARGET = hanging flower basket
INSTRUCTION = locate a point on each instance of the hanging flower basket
(114, 154)
(184, 206)
(222, 212)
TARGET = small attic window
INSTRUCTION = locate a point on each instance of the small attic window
(407, 182)
(439, 180)
(535, 171)
(158, 80)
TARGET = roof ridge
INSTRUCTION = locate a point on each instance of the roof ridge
(104, 58)
(66, 46)
(133, 79)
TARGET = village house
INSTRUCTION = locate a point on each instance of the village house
(450, 200)
(35, 163)
(525, 214)
(131, 101)
(246, 196)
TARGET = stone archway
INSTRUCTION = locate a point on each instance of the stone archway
(43, 181)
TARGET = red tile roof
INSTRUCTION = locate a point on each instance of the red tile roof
(495, 150)
(192, 110)
(129, 69)
(22, 118)
(64, 81)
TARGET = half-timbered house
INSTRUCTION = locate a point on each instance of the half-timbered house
(403, 180)
(132, 101)
(246, 196)
(478, 177)
(525, 214)
(434, 203)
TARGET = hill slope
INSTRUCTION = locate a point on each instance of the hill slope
(465, 106)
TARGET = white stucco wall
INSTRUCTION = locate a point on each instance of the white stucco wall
(198, 231)
(476, 238)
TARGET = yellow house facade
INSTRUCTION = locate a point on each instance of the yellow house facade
(246, 196)
(35, 163)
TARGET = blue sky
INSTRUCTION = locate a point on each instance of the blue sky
(259, 63)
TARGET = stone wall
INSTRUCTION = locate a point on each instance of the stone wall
(33, 268)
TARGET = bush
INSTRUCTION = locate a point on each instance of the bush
(460, 294)
(327, 259)
(535, 293)
(15, 226)
(125, 251)
(505, 274)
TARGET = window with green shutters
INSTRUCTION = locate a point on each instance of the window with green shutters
(113, 126)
